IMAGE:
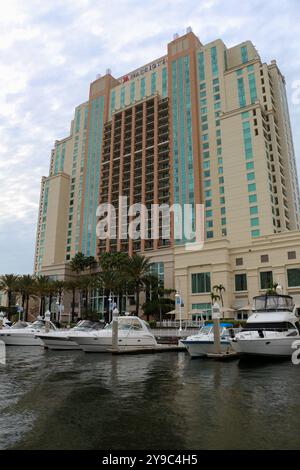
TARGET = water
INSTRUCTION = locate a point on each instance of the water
(72, 400)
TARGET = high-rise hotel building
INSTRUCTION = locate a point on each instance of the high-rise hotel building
(202, 124)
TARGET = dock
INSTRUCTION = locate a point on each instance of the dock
(158, 349)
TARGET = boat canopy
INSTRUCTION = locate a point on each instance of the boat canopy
(273, 303)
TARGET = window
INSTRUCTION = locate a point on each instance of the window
(241, 92)
(293, 277)
(201, 283)
(264, 258)
(255, 222)
(122, 98)
(251, 187)
(164, 82)
(153, 83)
(291, 254)
(214, 61)
(239, 261)
(252, 87)
(251, 176)
(201, 67)
(266, 279)
(143, 87)
(210, 234)
(255, 233)
(253, 210)
(244, 54)
(132, 92)
(252, 198)
(240, 282)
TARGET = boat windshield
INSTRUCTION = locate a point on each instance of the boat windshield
(19, 324)
(273, 302)
(38, 324)
(88, 325)
(206, 330)
(271, 326)
(127, 323)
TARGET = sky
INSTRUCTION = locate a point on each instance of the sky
(51, 51)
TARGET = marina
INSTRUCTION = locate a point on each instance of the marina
(69, 400)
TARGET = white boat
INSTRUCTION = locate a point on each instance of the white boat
(24, 336)
(60, 340)
(133, 332)
(272, 328)
(202, 343)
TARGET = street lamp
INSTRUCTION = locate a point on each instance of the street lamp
(179, 302)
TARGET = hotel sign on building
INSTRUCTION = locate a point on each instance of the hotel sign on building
(144, 69)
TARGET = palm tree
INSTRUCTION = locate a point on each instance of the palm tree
(42, 289)
(58, 287)
(26, 288)
(9, 285)
(109, 282)
(138, 271)
(78, 263)
(113, 277)
(272, 290)
(90, 263)
(72, 285)
(220, 289)
(214, 297)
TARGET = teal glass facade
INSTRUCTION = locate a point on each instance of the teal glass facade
(164, 82)
(143, 87)
(132, 92)
(92, 179)
(153, 82)
(241, 92)
(252, 87)
(201, 66)
(244, 54)
(214, 61)
(182, 136)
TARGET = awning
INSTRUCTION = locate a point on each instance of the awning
(246, 308)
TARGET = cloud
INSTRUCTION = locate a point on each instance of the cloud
(51, 51)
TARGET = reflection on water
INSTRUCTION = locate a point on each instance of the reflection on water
(71, 400)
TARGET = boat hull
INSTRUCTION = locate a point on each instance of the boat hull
(103, 344)
(202, 348)
(20, 339)
(59, 343)
(279, 347)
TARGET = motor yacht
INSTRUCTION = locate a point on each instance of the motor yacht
(133, 332)
(60, 340)
(21, 335)
(202, 343)
(272, 328)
